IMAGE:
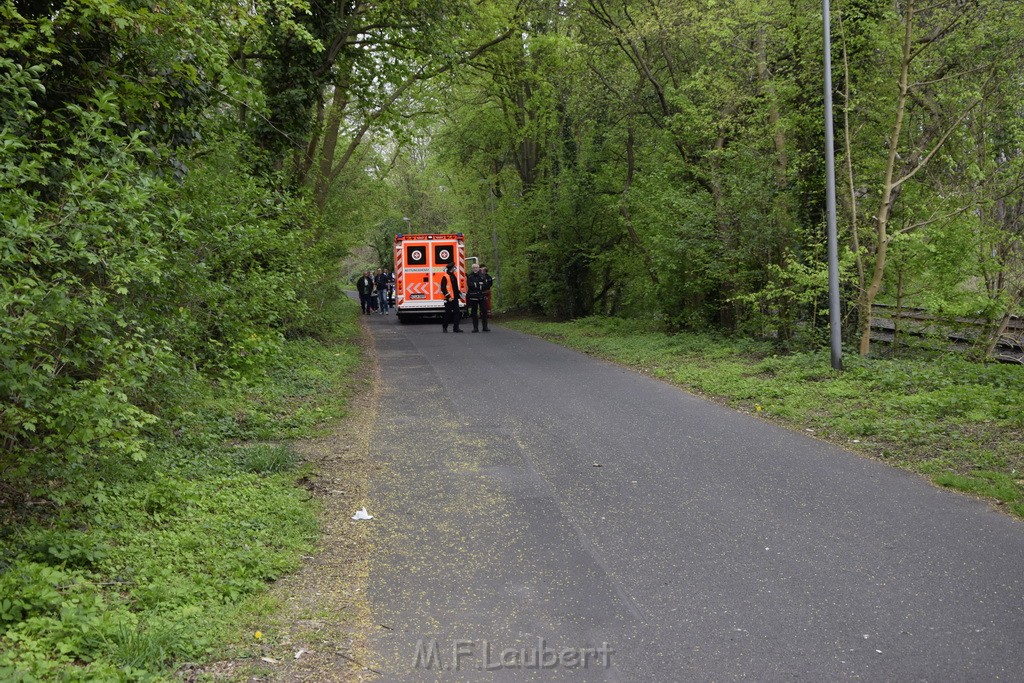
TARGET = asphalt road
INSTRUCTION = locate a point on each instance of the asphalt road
(542, 514)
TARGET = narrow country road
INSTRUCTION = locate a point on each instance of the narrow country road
(542, 514)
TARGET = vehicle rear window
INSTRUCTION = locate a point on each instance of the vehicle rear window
(444, 253)
(416, 255)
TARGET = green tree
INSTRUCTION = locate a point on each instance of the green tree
(949, 60)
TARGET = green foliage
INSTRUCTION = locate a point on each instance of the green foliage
(238, 259)
(76, 356)
(171, 223)
(145, 648)
(72, 549)
(142, 565)
(995, 485)
(167, 287)
(665, 161)
(266, 459)
(181, 549)
(154, 299)
(793, 300)
(120, 284)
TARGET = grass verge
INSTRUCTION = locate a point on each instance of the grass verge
(130, 570)
(958, 422)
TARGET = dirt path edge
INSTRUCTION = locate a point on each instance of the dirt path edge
(319, 615)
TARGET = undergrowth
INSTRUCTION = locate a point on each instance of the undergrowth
(130, 569)
(957, 421)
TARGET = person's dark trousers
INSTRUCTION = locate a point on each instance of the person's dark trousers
(364, 302)
(451, 316)
(478, 307)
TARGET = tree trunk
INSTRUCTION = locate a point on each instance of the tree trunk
(848, 147)
(889, 185)
(305, 162)
(529, 151)
(1000, 330)
(726, 310)
(778, 133)
(898, 315)
(624, 208)
(322, 182)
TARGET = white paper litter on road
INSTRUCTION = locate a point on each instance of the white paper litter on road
(362, 514)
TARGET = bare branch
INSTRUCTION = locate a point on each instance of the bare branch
(942, 140)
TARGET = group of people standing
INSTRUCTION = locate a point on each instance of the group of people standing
(376, 291)
(478, 286)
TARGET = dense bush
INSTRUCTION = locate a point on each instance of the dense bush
(134, 567)
(114, 280)
(76, 352)
(155, 280)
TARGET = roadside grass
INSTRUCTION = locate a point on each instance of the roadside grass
(960, 423)
(131, 570)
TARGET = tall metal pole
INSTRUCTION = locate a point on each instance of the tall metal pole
(835, 333)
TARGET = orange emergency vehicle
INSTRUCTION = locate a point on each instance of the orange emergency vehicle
(420, 261)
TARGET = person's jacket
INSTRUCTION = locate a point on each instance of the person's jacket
(477, 286)
(364, 285)
(450, 286)
(381, 281)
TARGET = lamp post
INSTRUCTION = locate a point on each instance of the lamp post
(835, 333)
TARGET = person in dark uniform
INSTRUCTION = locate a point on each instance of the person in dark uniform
(452, 296)
(476, 296)
(490, 283)
(364, 286)
(380, 281)
(391, 287)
